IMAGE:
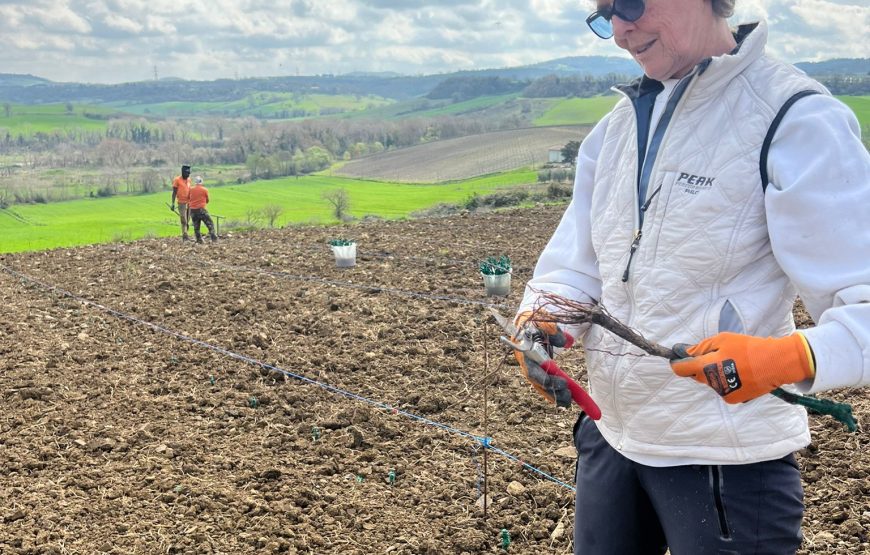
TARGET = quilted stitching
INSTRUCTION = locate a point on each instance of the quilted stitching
(693, 246)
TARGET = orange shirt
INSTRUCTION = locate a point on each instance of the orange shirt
(181, 187)
(198, 197)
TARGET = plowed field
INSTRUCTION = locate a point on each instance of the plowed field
(464, 157)
(250, 397)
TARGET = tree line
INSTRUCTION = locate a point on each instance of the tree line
(137, 155)
(551, 86)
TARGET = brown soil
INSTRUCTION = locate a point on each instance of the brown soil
(464, 157)
(119, 438)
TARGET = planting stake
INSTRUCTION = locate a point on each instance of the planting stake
(485, 416)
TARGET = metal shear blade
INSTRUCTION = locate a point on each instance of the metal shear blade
(520, 340)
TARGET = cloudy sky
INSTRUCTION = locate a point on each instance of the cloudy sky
(111, 41)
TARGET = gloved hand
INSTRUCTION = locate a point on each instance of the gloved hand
(553, 388)
(742, 367)
(547, 378)
(172, 207)
(551, 334)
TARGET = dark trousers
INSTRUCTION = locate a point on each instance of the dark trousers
(626, 508)
(200, 216)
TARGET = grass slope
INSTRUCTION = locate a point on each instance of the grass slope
(26, 119)
(572, 111)
(861, 106)
(268, 105)
(63, 224)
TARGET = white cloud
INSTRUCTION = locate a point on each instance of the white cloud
(122, 23)
(123, 40)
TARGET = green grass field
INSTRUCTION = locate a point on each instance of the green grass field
(573, 111)
(861, 106)
(81, 222)
(590, 110)
(473, 105)
(26, 119)
(269, 105)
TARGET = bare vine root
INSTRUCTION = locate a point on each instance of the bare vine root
(557, 309)
(560, 310)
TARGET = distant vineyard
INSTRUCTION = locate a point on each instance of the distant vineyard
(465, 157)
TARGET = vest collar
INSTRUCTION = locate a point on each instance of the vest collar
(750, 37)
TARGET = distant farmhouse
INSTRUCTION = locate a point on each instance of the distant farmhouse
(554, 155)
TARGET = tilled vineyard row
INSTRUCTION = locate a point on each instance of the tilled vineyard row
(120, 439)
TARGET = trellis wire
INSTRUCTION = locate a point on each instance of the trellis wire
(358, 286)
(485, 442)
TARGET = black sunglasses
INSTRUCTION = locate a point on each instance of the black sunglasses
(627, 10)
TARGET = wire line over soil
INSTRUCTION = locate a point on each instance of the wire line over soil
(119, 440)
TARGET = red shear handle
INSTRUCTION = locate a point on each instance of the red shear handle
(577, 393)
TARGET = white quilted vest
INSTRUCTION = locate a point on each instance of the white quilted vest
(704, 250)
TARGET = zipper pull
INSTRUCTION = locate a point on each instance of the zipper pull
(634, 245)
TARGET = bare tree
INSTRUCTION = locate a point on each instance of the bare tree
(7, 109)
(119, 156)
(271, 213)
(340, 201)
(252, 217)
(150, 181)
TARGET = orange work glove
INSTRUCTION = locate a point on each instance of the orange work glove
(742, 367)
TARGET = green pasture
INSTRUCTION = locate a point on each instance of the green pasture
(589, 110)
(472, 105)
(573, 111)
(260, 104)
(861, 106)
(88, 221)
(27, 119)
(424, 107)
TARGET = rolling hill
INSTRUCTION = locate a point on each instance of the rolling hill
(464, 157)
(36, 90)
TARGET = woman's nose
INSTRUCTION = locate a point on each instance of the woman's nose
(621, 27)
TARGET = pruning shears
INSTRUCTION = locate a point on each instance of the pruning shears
(529, 342)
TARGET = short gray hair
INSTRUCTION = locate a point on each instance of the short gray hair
(724, 8)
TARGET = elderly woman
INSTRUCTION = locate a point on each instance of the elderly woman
(722, 185)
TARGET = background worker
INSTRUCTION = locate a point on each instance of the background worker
(181, 193)
(723, 184)
(198, 202)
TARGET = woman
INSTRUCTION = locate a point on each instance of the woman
(723, 184)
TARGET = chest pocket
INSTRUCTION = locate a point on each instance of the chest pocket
(698, 223)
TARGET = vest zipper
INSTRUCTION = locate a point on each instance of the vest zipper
(634, 245)
(665, 119)
(638, 234)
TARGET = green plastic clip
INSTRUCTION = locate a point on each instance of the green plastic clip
(505, 539)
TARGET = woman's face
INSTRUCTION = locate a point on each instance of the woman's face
(669, 38)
